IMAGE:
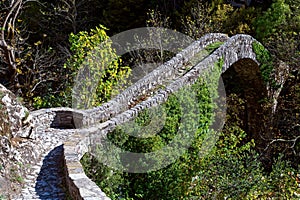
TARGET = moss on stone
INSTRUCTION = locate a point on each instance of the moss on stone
(213, 46)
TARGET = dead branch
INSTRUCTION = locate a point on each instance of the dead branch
(292, 141)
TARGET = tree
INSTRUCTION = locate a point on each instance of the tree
(204, 17)
(93, 72)
(27, 63)
(274, 17)
(10, 39)
(279, 26)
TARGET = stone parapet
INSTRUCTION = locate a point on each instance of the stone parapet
(78, 184)
(63, 118)
(162, 75)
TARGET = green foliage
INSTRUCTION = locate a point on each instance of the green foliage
(236, 173)
(231, 170)
(218, 16)
(95, 69)
(272, 19)
(171, 182)
(107, 179)
(280, 183)
(281, 37)
(266, 62)
(97, 61)
(228, 173)
(241, 21)
(49, 100)
(203, 17)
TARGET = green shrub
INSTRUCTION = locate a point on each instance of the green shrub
(271, 20)
(94, 68)
(231, 170)
(280, 183)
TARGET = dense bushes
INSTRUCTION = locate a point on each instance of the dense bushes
(231, 170)
(183, 131)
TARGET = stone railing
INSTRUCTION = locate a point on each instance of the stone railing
(157, 77)
(92, 125)
(78, 184)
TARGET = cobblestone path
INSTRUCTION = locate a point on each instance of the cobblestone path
(45, 182)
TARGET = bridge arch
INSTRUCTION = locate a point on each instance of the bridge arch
(242, 75)
(240, 65)
(243, 81)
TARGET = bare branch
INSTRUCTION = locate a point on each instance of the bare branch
(293, 141)
(8, 27)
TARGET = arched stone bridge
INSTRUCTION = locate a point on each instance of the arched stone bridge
(183, 69)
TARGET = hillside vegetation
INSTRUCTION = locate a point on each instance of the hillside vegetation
(44, 43)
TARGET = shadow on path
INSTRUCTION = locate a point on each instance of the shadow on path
(50, 181)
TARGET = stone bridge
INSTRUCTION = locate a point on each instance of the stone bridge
(237, 54)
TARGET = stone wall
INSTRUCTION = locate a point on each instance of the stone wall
(78, 184)
(159, 76)
(14, 130)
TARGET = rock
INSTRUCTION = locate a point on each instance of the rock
(16, 119)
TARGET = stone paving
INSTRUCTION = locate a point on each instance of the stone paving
(46, 178)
